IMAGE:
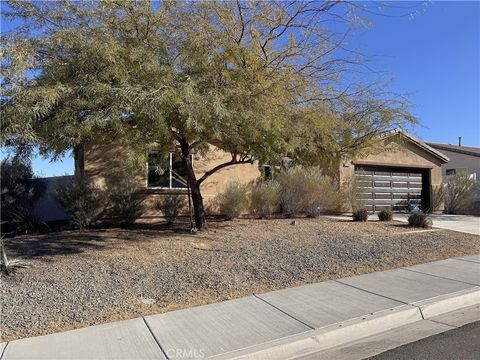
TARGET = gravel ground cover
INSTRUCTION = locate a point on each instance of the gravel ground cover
(82, 278)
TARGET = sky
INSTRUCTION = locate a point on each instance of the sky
(433, 57)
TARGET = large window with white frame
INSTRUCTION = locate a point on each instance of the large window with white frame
(165, 171)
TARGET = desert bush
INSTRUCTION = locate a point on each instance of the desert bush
(360, 215)
(306, 191)
(385, 215)
(125, 197)
(82, 200)
(351, 195)
(265, 198)
(460, 192)
(438, 197)
(19, 191)
(420, 220)
(233, 201)
(171, 206)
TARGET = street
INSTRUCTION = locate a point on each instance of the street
(462, 343)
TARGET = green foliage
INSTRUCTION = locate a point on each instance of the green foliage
(420, 220)
(264, 198)
(306, 191)
(171, 206)
(239, 75)
(385, 215)
(126, 197)
(460, 191)
(82, 200)
(360, 215)
(233, 201)
(18, 193)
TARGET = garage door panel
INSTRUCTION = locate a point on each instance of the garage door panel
(383, 188)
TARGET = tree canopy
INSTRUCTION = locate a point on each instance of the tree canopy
(259, 80)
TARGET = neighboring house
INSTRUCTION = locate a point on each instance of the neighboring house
(402, 172)
(462, 159)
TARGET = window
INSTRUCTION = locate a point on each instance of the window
(267, 172)
(166, 171)
(450, 172)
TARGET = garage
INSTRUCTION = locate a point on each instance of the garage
(393, 188)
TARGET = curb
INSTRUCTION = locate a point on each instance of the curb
(450, 302)
(330, 336)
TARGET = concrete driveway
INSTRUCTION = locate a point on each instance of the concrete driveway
(462, 223)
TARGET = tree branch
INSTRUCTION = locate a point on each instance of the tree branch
(234, 161)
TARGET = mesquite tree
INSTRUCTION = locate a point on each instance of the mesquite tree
(259, 80)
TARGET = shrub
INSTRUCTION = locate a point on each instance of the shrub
(9, 267)
(82, 200)
(265, 198)
(171, 206)
(126, 198)
(360, 215)
(438, 197)
(19, 191)
(385, 215)
(306, 191)
(233, 201)
(420, 220)
(460, 192)
(351, 195)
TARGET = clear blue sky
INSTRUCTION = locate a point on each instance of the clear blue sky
(433, 56)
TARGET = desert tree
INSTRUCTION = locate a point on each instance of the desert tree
(258, 80)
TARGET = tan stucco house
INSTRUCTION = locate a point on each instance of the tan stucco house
(404, 171)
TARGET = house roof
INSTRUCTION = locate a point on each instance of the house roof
(419, 143)
(466, 150)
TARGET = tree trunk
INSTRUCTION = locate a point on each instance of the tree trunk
(197, 200)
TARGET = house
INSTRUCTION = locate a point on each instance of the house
(462, 159)
(403, 172)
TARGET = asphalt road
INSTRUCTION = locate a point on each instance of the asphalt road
(458, 344)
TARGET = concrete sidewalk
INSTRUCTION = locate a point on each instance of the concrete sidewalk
(290, 323)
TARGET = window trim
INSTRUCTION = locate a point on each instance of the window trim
(169, 188)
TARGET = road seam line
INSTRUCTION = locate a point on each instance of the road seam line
(438, 276)
(442, 323)
(154, 338)
(371, 292)
(3, 351)
(470, 261)
(284, 312)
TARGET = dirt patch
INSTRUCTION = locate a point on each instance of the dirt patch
(78, 279)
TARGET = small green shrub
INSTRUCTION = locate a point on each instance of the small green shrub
(306, 191)
(126, 198)
(82, 200)
(420, 220)
(385, 215)
(233, 201)
(360, 215)
(265, 198)
(171, 206)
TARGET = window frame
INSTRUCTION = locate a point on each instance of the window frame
(170, 162)
(450, 172)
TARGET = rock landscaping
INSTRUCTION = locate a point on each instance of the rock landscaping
(82, 278)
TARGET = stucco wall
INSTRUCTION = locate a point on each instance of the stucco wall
(100, 160)
(397, 153)
(462, 162)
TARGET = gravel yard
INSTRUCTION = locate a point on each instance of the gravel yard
(78, 279)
